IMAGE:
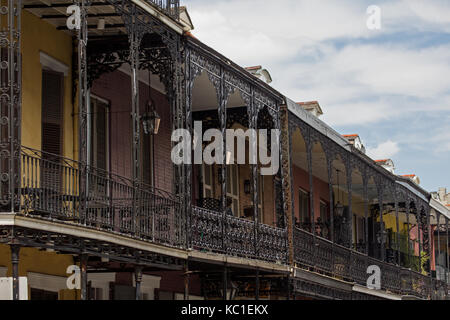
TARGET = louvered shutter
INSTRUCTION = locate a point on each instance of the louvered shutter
(52, 109)
(100, 146)
(101, 137)
(146, 159)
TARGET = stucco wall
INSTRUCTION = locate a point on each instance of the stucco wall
(40, 36)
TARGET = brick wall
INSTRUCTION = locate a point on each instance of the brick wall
(115, 87)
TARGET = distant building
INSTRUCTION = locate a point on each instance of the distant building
(442, 196)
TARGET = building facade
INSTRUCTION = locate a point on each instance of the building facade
(88, 182)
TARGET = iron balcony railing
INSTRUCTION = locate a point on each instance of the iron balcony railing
(50, 189)
(323, 256)
(213, 232)
(169, 7)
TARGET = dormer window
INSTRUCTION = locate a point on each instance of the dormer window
(356, 141)
(260, 73)
(387, 164)
(312, 107)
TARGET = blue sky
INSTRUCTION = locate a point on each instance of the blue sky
(391, 86)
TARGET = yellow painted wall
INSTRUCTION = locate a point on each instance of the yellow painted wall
(33, 260)
(38, 35)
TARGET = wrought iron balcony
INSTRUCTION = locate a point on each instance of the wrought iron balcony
(323, 256)
(50, 189)
(169, 7)
(214, 232)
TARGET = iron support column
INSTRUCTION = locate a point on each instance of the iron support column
(189, 82)
(15, 251)
(138, 281)
(135, 37)
(186, 281)
(309, 148)
(252, 119)
(397, 247)
(419, 236)
(438, 217)
(83, 102)
(223, 172)
(381, 207)
(349, 170)
(448, 253)
(366, 211)
(10, 125)
(407, 207)
(330, 190)
(83, 276)
(287, 187)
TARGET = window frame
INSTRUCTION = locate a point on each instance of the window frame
(308, 205)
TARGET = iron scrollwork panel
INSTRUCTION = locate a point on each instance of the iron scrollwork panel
(10, 105)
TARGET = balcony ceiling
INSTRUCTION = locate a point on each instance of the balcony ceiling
(204, 95)
(54, 12)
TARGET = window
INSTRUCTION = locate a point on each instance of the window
(324, 218)
(208, 181)
(233, 187)
(147, 158)
(304, 209)
(324, 211)
(52, 115)
(98, 118)
(359, 227)
(99, 137)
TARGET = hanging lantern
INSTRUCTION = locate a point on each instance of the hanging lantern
(339, 209)
(151, 120)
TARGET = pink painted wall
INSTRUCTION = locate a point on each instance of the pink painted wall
(321, 190)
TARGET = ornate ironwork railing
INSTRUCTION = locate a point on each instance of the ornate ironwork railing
(169, 7)
(211, 231)
(323, 256)
(50, 188)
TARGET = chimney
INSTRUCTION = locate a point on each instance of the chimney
(442, 192)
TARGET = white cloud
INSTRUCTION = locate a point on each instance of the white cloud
(385, 150)
(274, 30)
(441, 139)
(291, 38)
(322, 50)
